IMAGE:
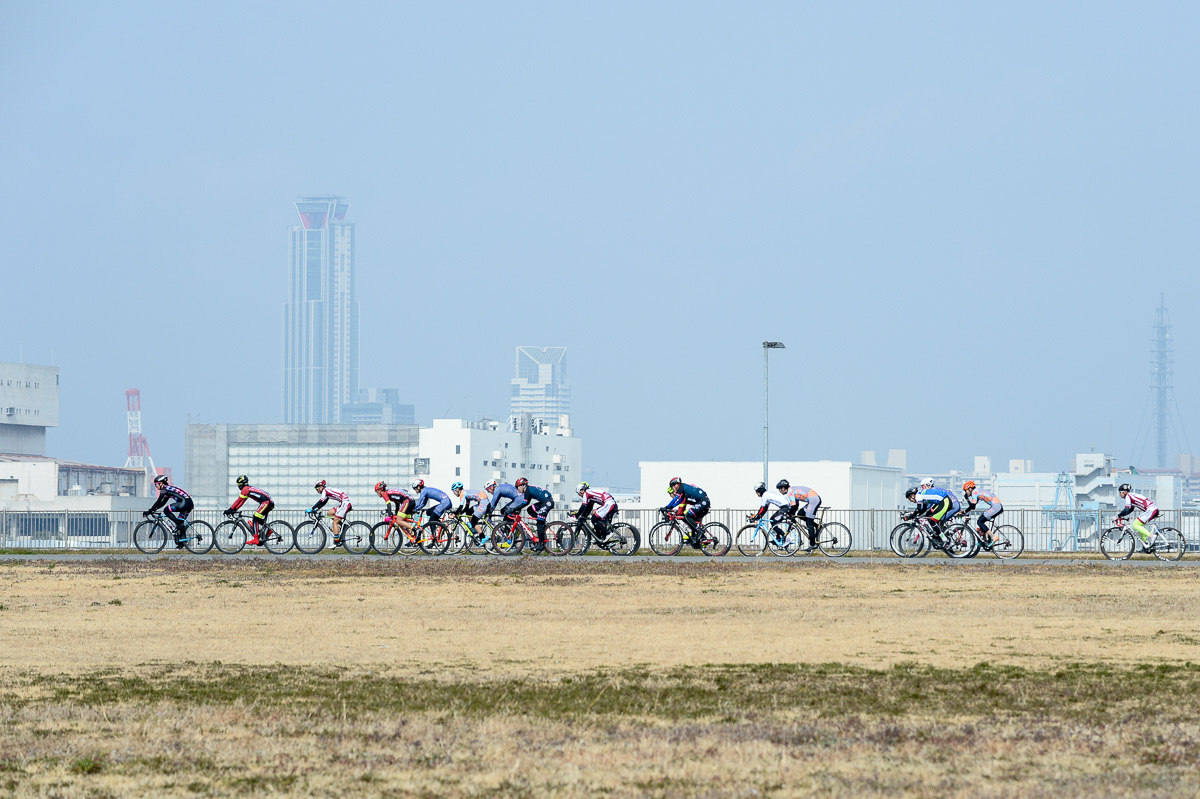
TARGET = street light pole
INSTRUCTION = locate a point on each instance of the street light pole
(767, 346)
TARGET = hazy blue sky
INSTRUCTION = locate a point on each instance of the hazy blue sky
(916, 198)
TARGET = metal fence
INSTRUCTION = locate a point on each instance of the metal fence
(1045, 531)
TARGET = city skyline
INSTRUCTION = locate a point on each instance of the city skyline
(819, 175)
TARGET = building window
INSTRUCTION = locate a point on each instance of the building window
(457, 449)
(457, 471)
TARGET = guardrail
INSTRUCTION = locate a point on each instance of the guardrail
(1045, 531)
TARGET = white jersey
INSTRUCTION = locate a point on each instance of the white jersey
(773, 498)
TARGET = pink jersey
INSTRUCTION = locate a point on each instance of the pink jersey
(337, 496)
(1133, 500)
(598, 497)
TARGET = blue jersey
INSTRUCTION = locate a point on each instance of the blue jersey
(430, 493)
(935, 495)
(507, 491)
(689, 492)
(540, 495)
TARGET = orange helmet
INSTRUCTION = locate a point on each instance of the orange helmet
(969, 485)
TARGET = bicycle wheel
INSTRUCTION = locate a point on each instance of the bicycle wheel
(715, 539)
(623, 539)
(150, 537)
(960, 542)
(230, 537)
(1009, 541)
(508, 539)
(386, 541)
(834, 539)
(788, 544)
(894, 538)
(280, 537)
(433, 538)
(310, 537)
(199, 539)
(666, 539)
(560, 538)
(1172, 546)
(908, 541)
(751, 541)
(474, 542)
(456, 537)
(356, 537)
(1116, 543)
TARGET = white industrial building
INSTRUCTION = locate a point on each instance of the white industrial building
(729, 484)
(1092, 485)
(28, 405)
(475, 452)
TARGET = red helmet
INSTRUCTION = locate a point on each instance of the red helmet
(380, 486)
(521, 483)
(418, 485)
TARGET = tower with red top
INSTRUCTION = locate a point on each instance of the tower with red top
(320, 318)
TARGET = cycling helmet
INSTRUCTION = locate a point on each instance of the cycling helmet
(760, 488)
(490, 485)
(521, 483)
(969, 485)
(910, 494)
(160, 480)
(418, 485)
(579, 489)
(674, 482)
(782, 485)
(456, 486)
(927, 482)
(320, 486)
(380, 486)
(242, 481)
(1124, 487)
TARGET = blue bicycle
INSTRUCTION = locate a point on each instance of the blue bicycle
(783, 538)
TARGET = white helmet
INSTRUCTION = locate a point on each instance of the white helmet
(927, 482)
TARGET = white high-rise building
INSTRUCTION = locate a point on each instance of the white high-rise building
(540, 388)
(320, 319)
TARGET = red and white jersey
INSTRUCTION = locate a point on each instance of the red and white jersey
(598, 497)
(1133, 500)
(337, 496)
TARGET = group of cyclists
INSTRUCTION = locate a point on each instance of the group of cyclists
(940, 506)
(690, 502)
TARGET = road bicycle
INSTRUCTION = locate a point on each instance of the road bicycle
(231, 535)
(152, 535)
(669, 535)
(622, 539)
(833, 538)
(1119, 542)
(388, 538)
(462, 535)
(514, 532)
(782, 538)
(913, 537)
(312, 535)
(964, 540)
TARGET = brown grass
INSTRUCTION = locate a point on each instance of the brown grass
(573, 678)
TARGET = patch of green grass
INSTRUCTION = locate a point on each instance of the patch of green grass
(1079, 692)
(91, 764)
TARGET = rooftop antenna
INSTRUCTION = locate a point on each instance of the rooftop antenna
(1161, 379)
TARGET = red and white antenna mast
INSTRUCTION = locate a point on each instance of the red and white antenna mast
(139, 450)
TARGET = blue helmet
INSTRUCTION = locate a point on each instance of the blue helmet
(455, 486)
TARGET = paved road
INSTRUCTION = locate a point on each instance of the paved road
(1140, 562)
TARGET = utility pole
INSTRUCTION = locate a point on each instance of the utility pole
(767, 347)
(1161, 379)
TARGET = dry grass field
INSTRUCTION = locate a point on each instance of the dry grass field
(581, 677)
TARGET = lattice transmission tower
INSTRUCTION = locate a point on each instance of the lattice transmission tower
(1162, 379)
(139, 449)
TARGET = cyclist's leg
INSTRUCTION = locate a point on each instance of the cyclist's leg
(258, 522)
(777, 518)
(338, 516)
(989, 515)
(603, 515)
(809, 514)
(939, 513)
(178, 514)
(1138, 523)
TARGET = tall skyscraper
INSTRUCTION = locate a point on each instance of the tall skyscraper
(540, 388)
(320, 319)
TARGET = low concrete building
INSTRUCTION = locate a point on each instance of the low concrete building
(28, 405)
(841, 484)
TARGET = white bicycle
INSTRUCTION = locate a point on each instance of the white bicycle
(1119, 542)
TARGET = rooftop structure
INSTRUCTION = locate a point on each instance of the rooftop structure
(540, 388)
(28, 405)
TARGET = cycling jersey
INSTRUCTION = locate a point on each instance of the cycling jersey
(939, 497)
(596, 497)
(769, 499)
(541, 502)
(985, 497)
(687, 493)
(436, 495)
(173, 494)
(250, 492)
(1144, 504)
(400, 498)
(516, 500)
(342, 500)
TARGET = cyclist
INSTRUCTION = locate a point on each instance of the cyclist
(685, 494)
(768, 500)
(467, 505)
(972, 495)
(181, 505)
(402, 515)
(338, 514)
(541, 502)
(257, 522)
(602, 515)
(1148, 511)
(947, 506)
(805, 503)
(425, 494)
